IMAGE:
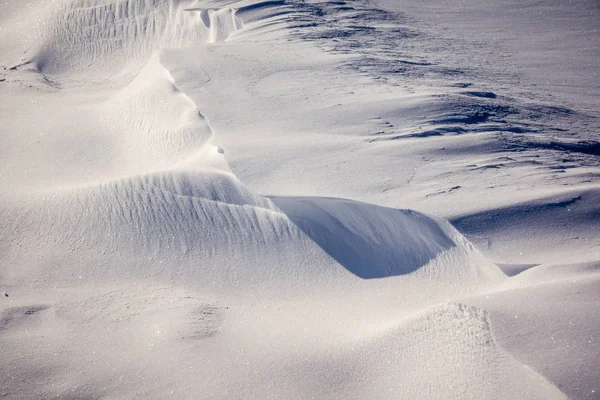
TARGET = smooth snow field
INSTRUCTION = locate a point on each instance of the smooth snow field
(299, 199)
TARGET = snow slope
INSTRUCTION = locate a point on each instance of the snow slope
(216, 199)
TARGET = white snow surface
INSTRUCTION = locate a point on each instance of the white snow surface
(295, 199)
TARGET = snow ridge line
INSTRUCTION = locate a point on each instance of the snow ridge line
(202, 116)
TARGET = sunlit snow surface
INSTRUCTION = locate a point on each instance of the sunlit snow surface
(299, 199)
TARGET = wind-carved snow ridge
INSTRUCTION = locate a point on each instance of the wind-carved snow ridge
(161, 127)
(221, 24)
(214, 230)
(114, 35)
(93, 31)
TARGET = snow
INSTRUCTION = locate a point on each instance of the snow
(299, 199)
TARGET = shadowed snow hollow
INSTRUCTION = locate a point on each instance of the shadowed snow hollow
(377, 242)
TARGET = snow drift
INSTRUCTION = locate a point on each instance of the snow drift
(163, 209)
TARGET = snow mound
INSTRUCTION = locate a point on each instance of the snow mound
(123, 34)
(213, 229)
(473, 365)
